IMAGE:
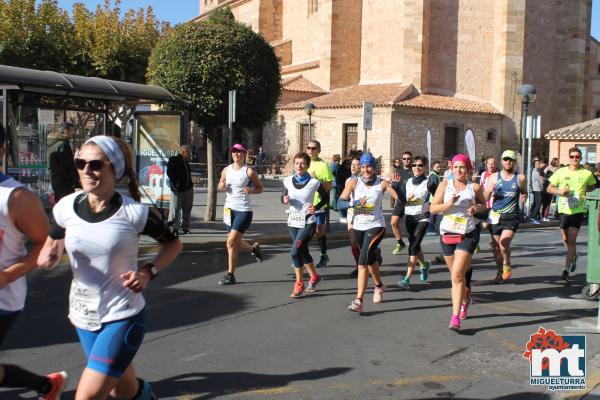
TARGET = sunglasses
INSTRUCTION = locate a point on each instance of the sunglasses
(408, 159)
(312, 148)
(418, 165)
(575, 156)
(508, 159)
(95, 165)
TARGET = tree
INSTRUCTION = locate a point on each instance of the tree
(200, 62)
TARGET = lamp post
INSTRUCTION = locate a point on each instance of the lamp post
(309, 109)
(527, 94)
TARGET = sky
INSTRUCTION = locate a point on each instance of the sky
(173, 11)
(176, 11)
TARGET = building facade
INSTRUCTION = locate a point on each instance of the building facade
(437, 65)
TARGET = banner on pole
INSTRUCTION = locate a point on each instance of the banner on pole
(470, 143)
(429, 147)
(367, 115)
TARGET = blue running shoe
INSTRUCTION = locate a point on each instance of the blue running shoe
(425, 271)
(573, 265)
(404, 283)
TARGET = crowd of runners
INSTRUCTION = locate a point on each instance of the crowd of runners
(99, 228)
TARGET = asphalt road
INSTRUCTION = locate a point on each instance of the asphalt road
(251, 341)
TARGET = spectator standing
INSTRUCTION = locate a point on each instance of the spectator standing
(537, 186)
(343, 173)
(250, 158)
(63, 174)
(434, 219)
(261, 159)
(334, 166)
(182, 190)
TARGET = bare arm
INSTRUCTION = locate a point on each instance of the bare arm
(489, 187)
(480, 198)
(523, 187)
(387, 187)
(27, 214)
(257, 186)
(222, 186)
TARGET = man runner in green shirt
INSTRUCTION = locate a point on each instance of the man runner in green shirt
(320, 170)
(571, 183)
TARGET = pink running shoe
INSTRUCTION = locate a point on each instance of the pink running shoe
(378, 294)
(59, 382)
(298, 290)
(454, 323)
(356, 306)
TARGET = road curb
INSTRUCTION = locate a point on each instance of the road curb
(285, 238)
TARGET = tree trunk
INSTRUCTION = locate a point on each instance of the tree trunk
(211, 165)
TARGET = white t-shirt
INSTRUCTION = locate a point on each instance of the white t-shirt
(420, 201)
(236, 181)
(300, 200)
(456, 219)
(12, 248)
(100, 252)
(371, 214)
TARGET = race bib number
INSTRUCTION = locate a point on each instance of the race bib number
(414, 207)
(364, 215)
(570, 201)
(83, 306)
(296, 218)
(494, 217)
(227, 216)
(454, 224)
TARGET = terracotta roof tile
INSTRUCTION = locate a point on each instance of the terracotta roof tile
(299, 83)
(382, 95)
(587, 130)
(450, 103)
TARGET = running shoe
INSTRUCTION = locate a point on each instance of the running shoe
(312, 283)
(404, 283)
(59, 382)
(256, 252)
(573, 265)
(425, 271)
(506, 272)
(477, 250)
(534, 221)
(323, 261)
(228, 279)
(298, 290)
(454, 323)
(565, 275)
(498, 279)
(354, 272)
(464, 306)
(378, 294)
(398, 248)
(343, 221)
(146, 392)
(355, 306)
(440, 259)
(545, 220)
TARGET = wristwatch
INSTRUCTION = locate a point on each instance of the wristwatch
(152, 269)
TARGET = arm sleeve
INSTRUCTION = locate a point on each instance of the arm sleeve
(284, 192)
(324, 197)
(432, 184)
(157, 228)
(56, 232)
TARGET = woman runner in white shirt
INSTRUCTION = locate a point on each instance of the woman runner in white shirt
(100, 230)
(368, 225)
(458, 199)
(239, 181)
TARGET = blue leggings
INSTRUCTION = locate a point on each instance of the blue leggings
(112, 348)
(300, 239)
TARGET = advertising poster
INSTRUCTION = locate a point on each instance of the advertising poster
(157, 138)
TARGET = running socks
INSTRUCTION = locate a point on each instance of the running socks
(323, 244)
(17, 377)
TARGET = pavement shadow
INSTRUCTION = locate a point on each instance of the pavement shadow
(210, 385)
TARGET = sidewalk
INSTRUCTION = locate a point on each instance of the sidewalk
(268, 223)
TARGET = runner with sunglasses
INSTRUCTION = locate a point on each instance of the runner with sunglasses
(299, 192)
(400, 176)
(100, 228)
(507, 188)
(22, 220)
(571, 183)
(320, 169)
(239, 181)
(417, 191)
(369, 225)
(459, 199)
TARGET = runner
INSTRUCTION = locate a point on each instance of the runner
(355, 170)
(417, 191)
(100, 230)
(458, 199)
(506, 187)
(239, 181)
(369, 225)
(571, 183)
(299, 192)
(320, 169)
(490, 169)
(402, 175)
(22, 219)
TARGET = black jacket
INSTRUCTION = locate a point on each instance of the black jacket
(63, 174)
(179, 173)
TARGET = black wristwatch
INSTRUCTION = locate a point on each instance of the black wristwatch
(152, 269)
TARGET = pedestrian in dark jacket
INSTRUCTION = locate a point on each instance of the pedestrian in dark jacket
(182, 190)
(63, 174)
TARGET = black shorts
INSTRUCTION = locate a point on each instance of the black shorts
(6, 322)
(469, 243)
(571, 221)
(398, 210)
(507, 222)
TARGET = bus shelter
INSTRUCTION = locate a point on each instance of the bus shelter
(35, 103)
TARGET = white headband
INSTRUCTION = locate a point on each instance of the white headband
(112, 150)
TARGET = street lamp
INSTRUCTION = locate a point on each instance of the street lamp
(527, 94)
(309, 109)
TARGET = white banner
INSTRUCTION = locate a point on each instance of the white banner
(367, 115)
(470, 143)
(429, 147)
